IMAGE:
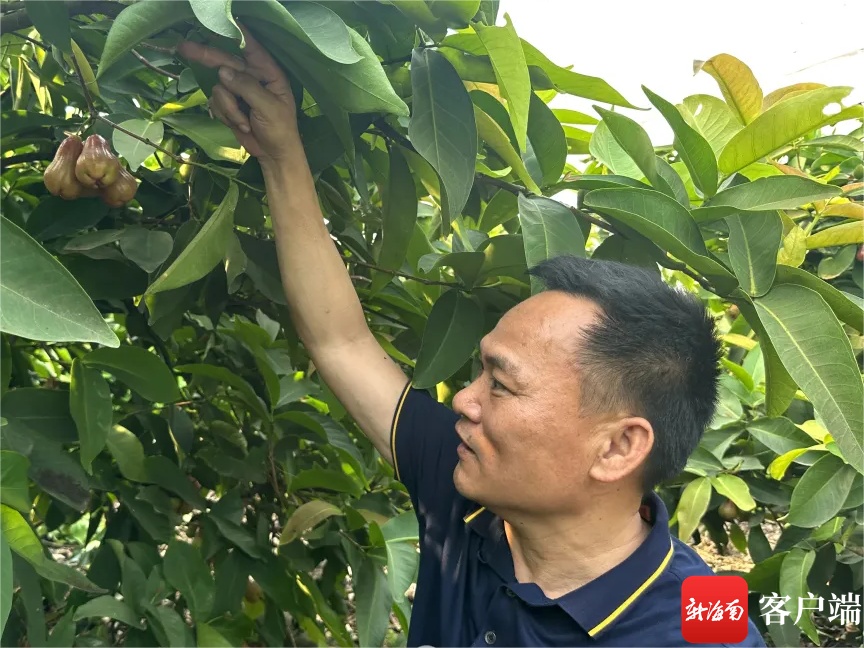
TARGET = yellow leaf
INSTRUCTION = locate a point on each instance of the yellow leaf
(197, 98)
(780, 94)
(847, 210)
(780, 465)
(794, 248)
(491, 133)
(740, 341)
(845, 234)
(814, 430)
(737, 83)
(853, 186)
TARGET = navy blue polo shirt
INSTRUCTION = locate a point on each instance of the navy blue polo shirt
(467, 593)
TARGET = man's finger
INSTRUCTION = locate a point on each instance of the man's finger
(230, 110)
(247, 87)
(209, 56)
(260, 62)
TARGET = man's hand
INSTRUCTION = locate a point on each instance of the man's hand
(269, 131)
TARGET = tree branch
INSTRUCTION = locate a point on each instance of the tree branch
(682, 268)
(20, 19)
(148, 64)
(428, 282)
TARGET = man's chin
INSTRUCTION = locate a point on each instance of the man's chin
(465, 486)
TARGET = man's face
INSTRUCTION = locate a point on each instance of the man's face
(525, 446)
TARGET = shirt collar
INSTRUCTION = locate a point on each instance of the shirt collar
(596, 605)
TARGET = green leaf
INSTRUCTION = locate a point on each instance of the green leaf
(491, 133)
(736, 489)
(633, 139)
(573, 83)
(314, 24)
(793, 583)
(442, 126)
(137, 22)
(754, 240)
(779, 434)
(148, 249)
(692, 506)
(549, 229)
(128, 452)
(402, 563)
(90, 406)
(452, 331)
(818, 356)
(779, 125)
(14, 483)
(666, 223)
(326, 479)
(776, 192)
(41, 300)
(6, 583)
(511, 72)
(821, 492)
(400, 215)
(24, 542)
(54, 217)
(51, 20)
(214, 137)
(567, 116)
(846, 234)
(165, 618)
(108, 606)
(632, 251)
(737, 83)
(186, 571)
(142, 371)
(695, 150)
(307, 516)
(373, 600)
(711, 117)
(605, 148)
(401, 528)
(134, 151)
(846, 310)
(162, 471)
(216, 16)
(547, 141)
(205, 251)
(209, 637)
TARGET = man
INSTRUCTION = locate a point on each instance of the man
(530, 495)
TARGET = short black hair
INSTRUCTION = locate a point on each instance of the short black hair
(653, 350)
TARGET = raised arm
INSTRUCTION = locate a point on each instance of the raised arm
(323, 303)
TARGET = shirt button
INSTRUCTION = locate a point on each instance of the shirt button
(489, 637)
(510, 592)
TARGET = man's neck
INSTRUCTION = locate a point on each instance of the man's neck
(560, 554)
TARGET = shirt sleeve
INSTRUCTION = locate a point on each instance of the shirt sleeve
(423, 441)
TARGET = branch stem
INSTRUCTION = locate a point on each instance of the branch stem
(155, 68)
(397, 273)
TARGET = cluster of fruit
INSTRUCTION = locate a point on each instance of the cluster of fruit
(89, 168)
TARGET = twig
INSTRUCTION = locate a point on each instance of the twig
(155, 68)
(90, 107)
(682, 268)
(428, 282)
(157, 48)
(596, 221)
(34, 41)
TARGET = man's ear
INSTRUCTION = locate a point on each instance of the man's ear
(626, 444)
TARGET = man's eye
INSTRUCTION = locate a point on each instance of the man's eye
(497, 385)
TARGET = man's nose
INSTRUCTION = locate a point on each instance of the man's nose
(465, 403)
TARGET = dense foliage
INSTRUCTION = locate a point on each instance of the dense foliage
(174, 471)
